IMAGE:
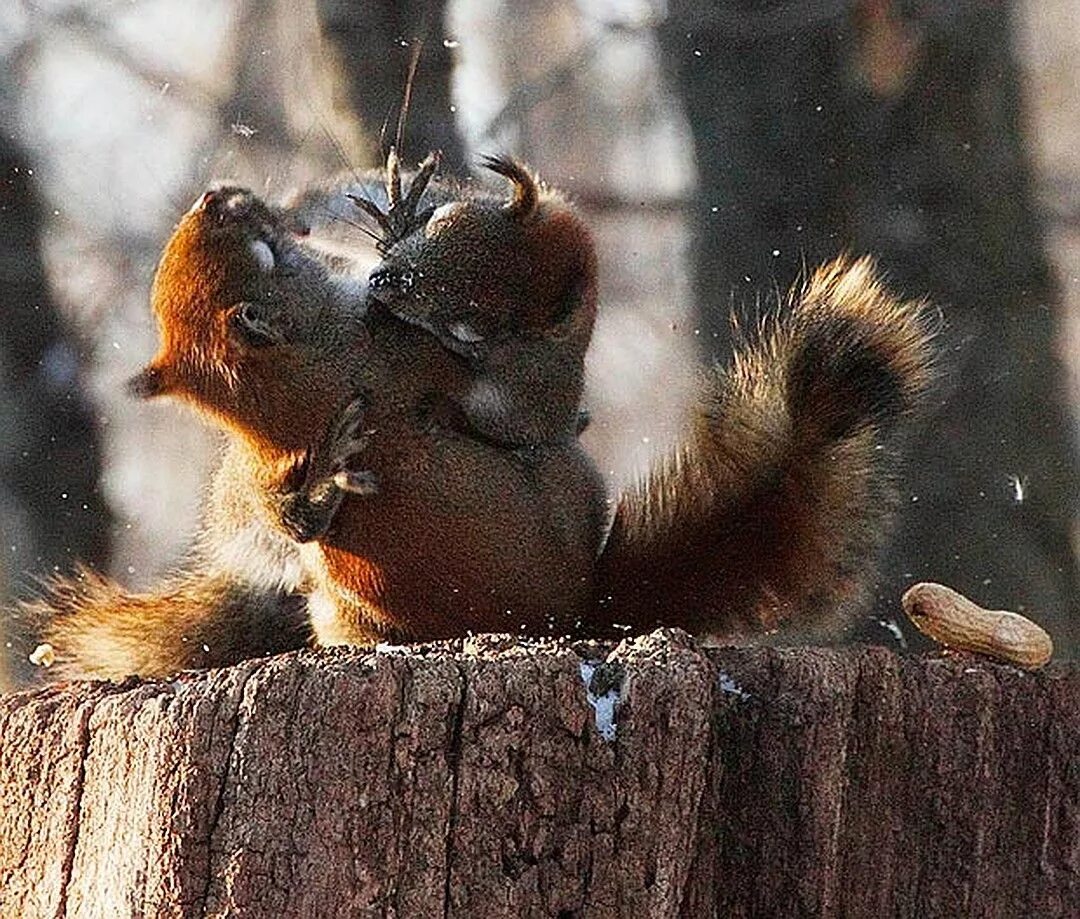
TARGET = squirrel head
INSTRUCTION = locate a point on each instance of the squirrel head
(481, 265)
(246, 323)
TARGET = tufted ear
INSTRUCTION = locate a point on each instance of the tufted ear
(152, 381)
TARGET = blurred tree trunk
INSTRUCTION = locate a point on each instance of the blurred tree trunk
(51, 510)
(374, 42)
(894, 128)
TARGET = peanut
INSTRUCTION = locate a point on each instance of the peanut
(955, 621)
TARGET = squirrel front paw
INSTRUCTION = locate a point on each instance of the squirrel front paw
(307, 509)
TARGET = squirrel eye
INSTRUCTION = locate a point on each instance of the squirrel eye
(263, 255)
(249, 323)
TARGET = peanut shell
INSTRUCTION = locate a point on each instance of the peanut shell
(953, 620)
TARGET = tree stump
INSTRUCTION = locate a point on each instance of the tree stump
(495, 778)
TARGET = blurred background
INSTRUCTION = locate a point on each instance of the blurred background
(718, 147)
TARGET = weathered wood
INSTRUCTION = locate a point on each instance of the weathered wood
(474, 779)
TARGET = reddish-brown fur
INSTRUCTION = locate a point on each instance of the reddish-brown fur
(769, 516)
(508, 283)
(772, 512)
(459, 537)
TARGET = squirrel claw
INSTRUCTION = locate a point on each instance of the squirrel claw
(348, 438)
(312, 497)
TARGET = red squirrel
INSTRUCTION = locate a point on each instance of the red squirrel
(267, 338)
(767, 517)
(518, 305)
(775, 504)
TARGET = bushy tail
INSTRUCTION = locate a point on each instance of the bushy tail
(773, 511)
(99, 630)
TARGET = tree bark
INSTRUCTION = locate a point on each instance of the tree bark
(479, 779)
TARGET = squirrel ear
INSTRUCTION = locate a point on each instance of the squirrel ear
(526, 194)
(153, 380)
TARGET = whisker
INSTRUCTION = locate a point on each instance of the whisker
(367, 231)
(277, 178)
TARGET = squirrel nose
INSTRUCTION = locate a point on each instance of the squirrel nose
(386, 280)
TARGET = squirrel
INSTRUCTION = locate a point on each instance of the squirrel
(768, 517)
(268, 338)
(518, 304)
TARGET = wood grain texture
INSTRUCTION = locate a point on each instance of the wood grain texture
(472, 779)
